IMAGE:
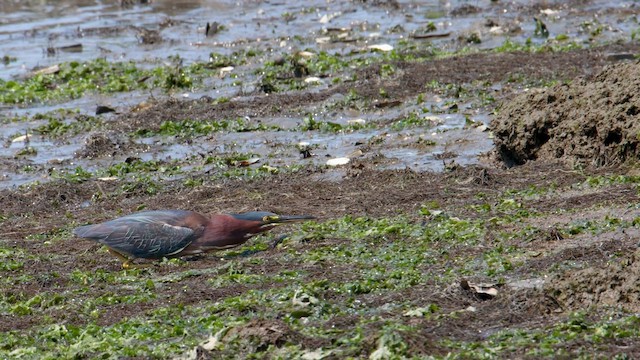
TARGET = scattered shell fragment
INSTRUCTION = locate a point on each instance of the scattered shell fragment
(225, 70)
(328, 17)
(47, 71)
(380, 47)
(306, 54)
(108, 178)
(356, 122)
(549, 12)
(496, 30)
(312, 79)
(22, 138)
(338, 161)
(323, 40)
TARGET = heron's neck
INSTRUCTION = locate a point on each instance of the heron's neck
(224, 228)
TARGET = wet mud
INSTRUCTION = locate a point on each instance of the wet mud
(588, 122)
(537, 147)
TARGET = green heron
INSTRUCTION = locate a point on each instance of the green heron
(174, 233)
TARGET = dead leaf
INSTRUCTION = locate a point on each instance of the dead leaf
(485, 291)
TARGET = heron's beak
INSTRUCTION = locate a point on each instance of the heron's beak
(281, 219)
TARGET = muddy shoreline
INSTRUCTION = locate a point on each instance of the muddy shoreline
(487, 206)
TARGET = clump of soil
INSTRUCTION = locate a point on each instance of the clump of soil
(588, 122)
(613, 285)
(254, 337)
(102, 145)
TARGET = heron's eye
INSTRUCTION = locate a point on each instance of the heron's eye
(270, 218)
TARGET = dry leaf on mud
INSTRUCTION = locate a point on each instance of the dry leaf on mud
(485, 291)
(417, 312)
(316, 354)
(215, 341)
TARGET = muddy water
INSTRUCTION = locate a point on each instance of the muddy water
(44, 33)
(107, 29)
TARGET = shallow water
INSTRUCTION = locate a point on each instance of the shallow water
(37, 32)
(106, 29)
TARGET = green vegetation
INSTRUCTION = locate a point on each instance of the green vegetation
(529, 46)
(288, 73)
(375, 256)
(12, 259)
(386, 285)
(414, 120)
(608, 180)
(73, 79)
(552, 341)
(191, 128)
(57, 128)
(311, 124)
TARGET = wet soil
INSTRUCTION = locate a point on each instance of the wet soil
(549, 144)
(412, 78)
(591, 121)
(605, 281)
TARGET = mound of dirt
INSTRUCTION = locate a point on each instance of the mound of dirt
(250, 339)
(588, 122)
(613, 285)
(104, 145)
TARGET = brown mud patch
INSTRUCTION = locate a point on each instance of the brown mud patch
(544, 221)
(586, 122)
(49, 268)
(100, 144)
(614, 284)
(410, 79)
(401, 192)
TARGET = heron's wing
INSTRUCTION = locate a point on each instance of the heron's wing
(151, 234)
